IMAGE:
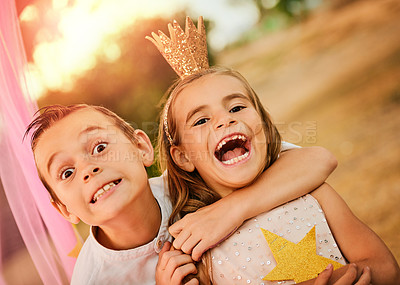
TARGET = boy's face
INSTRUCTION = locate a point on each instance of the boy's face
(93, 168)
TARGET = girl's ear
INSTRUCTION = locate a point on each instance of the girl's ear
(62, 209)
(181, 158)
(146, 150)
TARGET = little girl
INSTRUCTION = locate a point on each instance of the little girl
(215, 138)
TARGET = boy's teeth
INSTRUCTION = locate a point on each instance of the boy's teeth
(103, 190)
(236, 159)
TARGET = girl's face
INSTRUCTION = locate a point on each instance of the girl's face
(221, 134)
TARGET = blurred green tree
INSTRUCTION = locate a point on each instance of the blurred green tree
(295, 9)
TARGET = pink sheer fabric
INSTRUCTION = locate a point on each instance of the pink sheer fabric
(47, 236)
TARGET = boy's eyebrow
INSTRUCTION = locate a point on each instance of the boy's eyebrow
(89, 129)
(51, 161)
(85, 131)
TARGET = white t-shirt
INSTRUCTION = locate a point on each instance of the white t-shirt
(99, 265)
(286, 146)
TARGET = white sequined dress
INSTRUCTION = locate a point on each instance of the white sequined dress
(245, 257)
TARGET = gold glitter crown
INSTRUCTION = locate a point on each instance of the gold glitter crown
(185, 51)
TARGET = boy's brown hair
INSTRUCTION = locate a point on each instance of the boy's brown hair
(47, 116)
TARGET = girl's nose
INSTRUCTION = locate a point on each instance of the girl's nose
(231, 122)
(224, 119)
(92, 172)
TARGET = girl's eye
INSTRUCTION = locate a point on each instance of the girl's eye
(201, 122)
(67, 173)
(99, 148)
(236, 109)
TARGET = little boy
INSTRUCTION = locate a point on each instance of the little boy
(93, 165)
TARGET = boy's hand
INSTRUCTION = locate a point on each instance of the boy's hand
(199, 231)
(347, 279)
(173, 266)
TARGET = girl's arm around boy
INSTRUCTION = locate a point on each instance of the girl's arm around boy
(297, 172)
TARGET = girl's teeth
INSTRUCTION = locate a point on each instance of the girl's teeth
(236, 159)
(221, 144)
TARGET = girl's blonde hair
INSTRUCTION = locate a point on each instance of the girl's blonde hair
(188, 191)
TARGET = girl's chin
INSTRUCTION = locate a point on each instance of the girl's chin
(237, 182)
(241, 178)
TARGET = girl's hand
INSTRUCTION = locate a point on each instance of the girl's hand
(173, 266)
(199, 231)
(347, 279)
(207, 227)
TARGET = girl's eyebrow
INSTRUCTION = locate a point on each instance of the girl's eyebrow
(232, 96)
(194, 111)
(225, 100)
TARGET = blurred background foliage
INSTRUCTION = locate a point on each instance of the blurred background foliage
(133, 83)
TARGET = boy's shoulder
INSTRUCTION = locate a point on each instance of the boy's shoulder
(160, 191)
(158, 186)
(88, 263)
(157, 181)
(99, 265)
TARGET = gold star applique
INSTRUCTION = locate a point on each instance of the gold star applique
(298, 262)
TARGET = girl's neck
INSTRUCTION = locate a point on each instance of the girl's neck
(220, 189)
(135, 227)
(224, 191)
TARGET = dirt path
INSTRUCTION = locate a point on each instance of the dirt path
(335, 81)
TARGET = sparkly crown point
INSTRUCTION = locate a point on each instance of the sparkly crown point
(185, 51)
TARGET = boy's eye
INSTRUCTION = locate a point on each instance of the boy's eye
(201, 122)
(67, 173)
(236, 109)
(99, 148)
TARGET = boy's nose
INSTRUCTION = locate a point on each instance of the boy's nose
(93, 171)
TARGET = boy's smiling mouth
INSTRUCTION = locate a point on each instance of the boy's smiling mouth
(232, 149)
(104, 190)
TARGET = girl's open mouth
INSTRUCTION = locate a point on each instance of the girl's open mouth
(104, 190)
(232, 149)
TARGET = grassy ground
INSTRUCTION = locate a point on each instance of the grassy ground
(334, 81)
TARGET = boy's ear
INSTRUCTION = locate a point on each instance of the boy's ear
(145, 147)
(62, 209)
(181, 158)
